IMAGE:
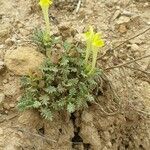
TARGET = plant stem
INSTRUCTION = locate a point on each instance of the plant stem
(93, 60)
(47, 22)
(88, 49)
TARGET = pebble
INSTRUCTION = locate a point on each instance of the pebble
(9, 42)
(5, 81)
(105, 148)
(106, 135)
(122, 28)
(148, 23)
(1, 65)
(123, 19)
(1, 131)
(134, 47)
(109, 144)
(2, 98)
(127, 13)
(24, 32)
(87, 117)
(2, 46)
(116, 15)
(6, 106)
(12, 105)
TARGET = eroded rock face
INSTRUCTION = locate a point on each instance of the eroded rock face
(30, 118)
(1, 65)
(23, 59)
(61, 130)
(121, 131)
(5, 31)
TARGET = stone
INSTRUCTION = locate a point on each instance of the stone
(134, 47)
(127, 13)
(87, 117)
(12, 87)
(6, 106)
(29, 118)
(2, 98)
(123, 19)
(122, 24)
(89, 134)
(122, 28)
(5, 81)
(116, 14)
(12, 105)
(107, 135)
(23, 60)
(1, 131)
(5, 30)
(24, 32)
(9, 42)
(1, 65)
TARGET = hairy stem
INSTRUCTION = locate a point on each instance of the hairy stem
(47, 22)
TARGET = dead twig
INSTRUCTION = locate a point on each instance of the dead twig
(108, 50)
(33, 134)
(106, 113)
(78, 6)
(126, 63)
(137, 69)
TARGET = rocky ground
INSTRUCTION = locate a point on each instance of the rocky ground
(119, 120)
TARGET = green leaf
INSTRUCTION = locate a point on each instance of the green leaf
(67, 46)
(50, 89)
(72, 92)
(36, 104)
(73, 69)
(60, 88)
(70, 108)
(64, 61)
(46, 113)
(25, 104)
(83, 88)
(90, 97)
(72, 82)
(44, 99)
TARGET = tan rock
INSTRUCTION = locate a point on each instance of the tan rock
(12, 87)
(123, 20)
(1, 131)
(30, 118)
(23, 59)
(5, 30)
(2, 98)
(1, 65)
(134, 47)
(122, 28)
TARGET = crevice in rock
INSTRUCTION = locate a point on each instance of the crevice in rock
(87, 146)
(77, 141)
(41, 131)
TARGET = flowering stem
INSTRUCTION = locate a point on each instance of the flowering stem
(93, 60)
(88, 49)
(46, 17)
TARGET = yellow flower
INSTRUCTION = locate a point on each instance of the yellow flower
(97, 41)
(45, 3)
(89, 38)
(89, 34)
(94, 42)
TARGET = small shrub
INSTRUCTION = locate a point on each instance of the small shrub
(67, 82)
(59, 86)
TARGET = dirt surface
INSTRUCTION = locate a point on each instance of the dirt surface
(120, 118)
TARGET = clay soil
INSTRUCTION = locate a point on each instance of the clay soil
(120, 117)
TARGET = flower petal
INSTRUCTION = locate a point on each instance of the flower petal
(45, 3)
(97, 41)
